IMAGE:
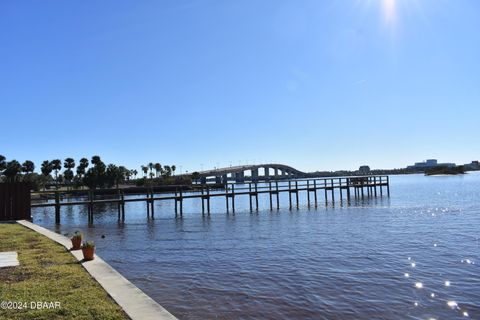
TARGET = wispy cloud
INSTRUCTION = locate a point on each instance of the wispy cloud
(297, 77)
(360, 82)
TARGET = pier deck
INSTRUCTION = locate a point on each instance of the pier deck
(352, 187)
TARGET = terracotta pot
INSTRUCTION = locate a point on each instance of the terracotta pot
(76, 243)
(88, 253)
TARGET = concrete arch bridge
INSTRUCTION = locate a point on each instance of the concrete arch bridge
(253, 173)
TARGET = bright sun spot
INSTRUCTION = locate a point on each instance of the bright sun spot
(389, 11)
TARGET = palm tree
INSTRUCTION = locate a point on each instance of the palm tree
(56, 166)
(96, 175)
(46, 168)
(195, 176)
(168, 171)
(114, 175)
(150, 166)
(145, 171)
(68, 175)
(84, 162)
(82, 168)
(134, 173)
(3, 164)
(158, 169)
(69, 164)
(12, 169)
(28, 166)
(173, 169)
(96, 160)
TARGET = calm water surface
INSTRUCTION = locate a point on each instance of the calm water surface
(415, 255)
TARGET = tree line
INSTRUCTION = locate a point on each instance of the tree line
(93, 173)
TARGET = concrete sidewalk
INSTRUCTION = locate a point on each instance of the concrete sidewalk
(8, 259)
(131, 299)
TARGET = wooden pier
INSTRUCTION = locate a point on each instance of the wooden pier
(346, 187)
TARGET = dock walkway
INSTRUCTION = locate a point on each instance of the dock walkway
(351, 187)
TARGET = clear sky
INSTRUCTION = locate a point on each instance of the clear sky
(319, 85)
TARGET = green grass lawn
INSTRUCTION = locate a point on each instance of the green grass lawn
(49, 273)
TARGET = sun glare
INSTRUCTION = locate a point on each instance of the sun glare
(389, 11)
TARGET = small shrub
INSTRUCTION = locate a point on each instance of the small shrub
(89, 244)
(77, 235)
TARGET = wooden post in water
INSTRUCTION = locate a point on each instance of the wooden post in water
(147, 200)
(278, 195)
(388, 186)
(152, 203)
(340, 188)
(57, 207)
(372, 186)
(123, 205)
(256, 195)
(333, 190)
(296, 193)
(181, 202)
(176, 204)
(325, 189)
(92, 199)
(308, 193)
(233, 198)
(203, 204)
(226, 198)
(370, 191)
(250, 196)
(119, 205)
(315, 191)
(88, 203)
(290, 193)
(270, 194)
(208, 199)
(348, 189)
(381, 187)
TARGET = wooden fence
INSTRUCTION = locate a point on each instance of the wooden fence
(14, 201)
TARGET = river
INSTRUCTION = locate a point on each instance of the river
(413, 255)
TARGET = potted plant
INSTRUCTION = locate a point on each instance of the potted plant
(76, 240)
(88, 250)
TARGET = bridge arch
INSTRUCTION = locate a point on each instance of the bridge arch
(258, 172)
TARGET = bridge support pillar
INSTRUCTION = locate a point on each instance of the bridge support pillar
(203, 180)
(266, 173)
(240, 177)
(224, 179)
(276, 172)
(218, 179)
(255, 175)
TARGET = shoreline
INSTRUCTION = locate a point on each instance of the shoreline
(134, 302)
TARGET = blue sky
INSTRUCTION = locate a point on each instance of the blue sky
(319, 85)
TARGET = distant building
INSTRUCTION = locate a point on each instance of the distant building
(474, 165)
(430, 163)
(364, 169)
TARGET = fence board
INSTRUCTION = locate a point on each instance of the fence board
(14, 201)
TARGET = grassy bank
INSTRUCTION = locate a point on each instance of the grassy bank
(48, 273)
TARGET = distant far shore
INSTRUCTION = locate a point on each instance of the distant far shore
(445, 171)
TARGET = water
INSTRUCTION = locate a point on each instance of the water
(415, 255)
